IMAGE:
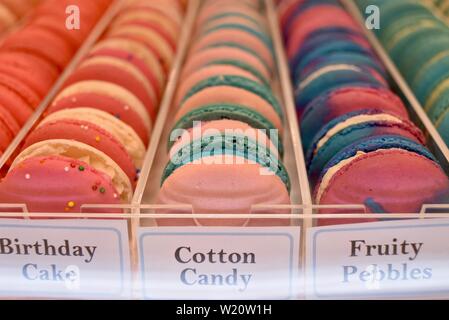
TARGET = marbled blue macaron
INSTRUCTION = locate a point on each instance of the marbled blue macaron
(329, 77)
(348, 129)
(344, 57)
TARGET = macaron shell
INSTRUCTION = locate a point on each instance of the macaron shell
(25, 92)
(87, 133)
(208, 55)
(107, 97)
(234, 19)
(154, 16)
(82, 152)
(41, 69)
(30, 40)
(398, 180)
(119, 72)
(56, 184)
(15, 104)
(26, 77)
(224, 126)
(150, 39)
(237, 36)
(169, 10)
(8, 128)
(221, 188)
(117, 128)
(57, 25)
(138, 50)
(331, 80)
(207, 72)
(325, 108)
(170, 39)
(231, 95)
(314, 18)
(137, 62)
(318, 160)
(206, 13)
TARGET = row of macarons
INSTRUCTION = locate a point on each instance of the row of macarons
(28, 69)
(361, 147)
(225, 150)
(418, 43)
(12, 11)
(89, 147)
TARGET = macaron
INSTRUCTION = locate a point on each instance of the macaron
(19, 108)
(205, 129)
(151, 19)
(172, 9)
(239, 34)
(254, 177)
(341, 101)
(215, 112)
(150, 38)
(350, 128)
(314, 18)
(102, 134)
(212, 70)
(109, 124)
(57, 184)
(108, 97)
(8, 128)
(233, 90)
(121, 73)
(57, 50)
(78, 151)
(429, 79)
(330, 77)
(388, 174)
(226, 52)
(7, 17)
(136, 53)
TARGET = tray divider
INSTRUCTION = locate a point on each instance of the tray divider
(289, 103)
(156, 135)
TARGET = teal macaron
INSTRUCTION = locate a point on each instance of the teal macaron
(242, 83)
(227, 144)
(430, 76)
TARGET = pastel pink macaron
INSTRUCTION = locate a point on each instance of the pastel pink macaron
(155, 26)
(121, 73)
(235, 35)
(87, 132)
(232, 90)
(136, 54)
(57, 184)
(227, 6)
(171, 8)
(148, 37)
(108, 97)
(208, 55)
(206, 72)
(215, 185)
(149, 15)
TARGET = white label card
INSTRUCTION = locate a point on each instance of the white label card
(219, 263)
(381, 259)
(64, 258)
